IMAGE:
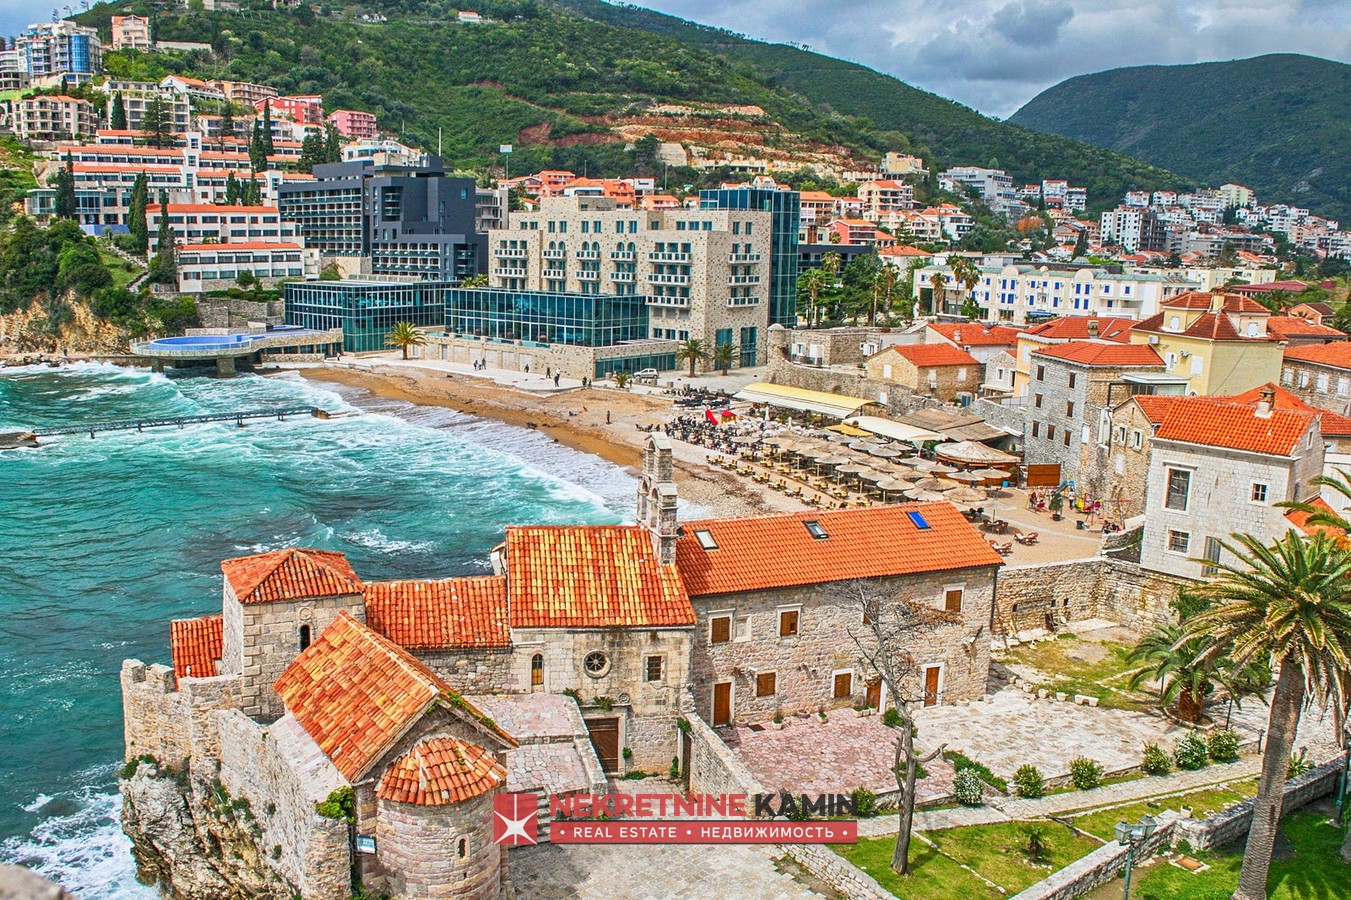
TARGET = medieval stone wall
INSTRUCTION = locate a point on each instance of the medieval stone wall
(172, 720)
(422, 856)
(1098, 588)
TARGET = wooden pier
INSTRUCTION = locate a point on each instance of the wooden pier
(238, 418)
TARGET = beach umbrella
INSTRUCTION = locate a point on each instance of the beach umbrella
(882, 451)
(937, 484)
(966, 477)
(875, 475)
(836, 438)
(965, 495)
(922, 495)
(780, 440)
(941, 469)
(991, 474)
(745, 439)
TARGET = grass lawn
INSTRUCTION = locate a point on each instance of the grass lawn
(117, 267)
(1203, 803)
(1076, 666)
(1308, 868)
(995, 851)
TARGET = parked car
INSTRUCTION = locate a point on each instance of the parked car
(646, 375)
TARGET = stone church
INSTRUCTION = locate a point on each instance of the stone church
(333, 732)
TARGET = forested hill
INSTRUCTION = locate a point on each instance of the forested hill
(938, 127)
(1280, 124)
(571, 82)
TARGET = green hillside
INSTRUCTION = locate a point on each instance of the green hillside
(1280, 124)
(555, 79)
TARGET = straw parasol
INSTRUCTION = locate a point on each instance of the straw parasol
(883, 451)
(781, 440)
(937, 484)
(966, 477)
(926, 496)
(876, 476)
(941, 469)
(745, 439)
(836, 438)
(991, 474)
(965, 495)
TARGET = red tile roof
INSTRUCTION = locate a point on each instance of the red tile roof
(767, 552)
(440, 771)
(1218, 423)
(974, 334)
(1284, 326)
(1102, 353)
(1270, 287)
(1189, 300)
(1155, 406)
(591, 576)
(196, 646)
(1330, 423)
(1075, 328)
(1241, 304)
(1337, 355)
(1300, 519)
(355, 693)
(452, 612)
(290, 574)
(928, 355)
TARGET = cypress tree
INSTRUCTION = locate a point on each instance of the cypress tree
(65, 191)
(333, 145)
(231, 190)
(164, 239)
(140, 199)
(1081, 244)
(164, 267)
(257, 155)
(117, 119)
(227, 123)
(268, 149)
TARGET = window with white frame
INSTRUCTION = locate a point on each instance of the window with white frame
(1178, 541)
(1259, 492)
(1179, 489)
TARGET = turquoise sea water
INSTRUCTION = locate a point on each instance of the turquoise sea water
(103, 541)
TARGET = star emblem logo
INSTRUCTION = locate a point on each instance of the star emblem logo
(514, 819)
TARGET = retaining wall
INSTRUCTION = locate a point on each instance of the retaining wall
(1231, 824)
(1097, 588)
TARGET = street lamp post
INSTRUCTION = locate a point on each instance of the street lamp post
(1128, 836)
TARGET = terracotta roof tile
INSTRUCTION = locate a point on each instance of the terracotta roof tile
(766, 552)
(1075, 328)
(591, 576)
(1214, 327)
(1336, 354)
(451, 612)
(973, 334)
(1189, 300)
(1155, 406)
(1330, 423)
(1300, 519)
(1241, 304)
(1102, 353)
(927, 355)
(290, 574)
(1282, 326)
(1217, 423)
(440, 771)
(355, 693)
(196, 646)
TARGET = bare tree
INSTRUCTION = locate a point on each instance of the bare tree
(886, 639)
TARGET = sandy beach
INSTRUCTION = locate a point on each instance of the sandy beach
(575, 417)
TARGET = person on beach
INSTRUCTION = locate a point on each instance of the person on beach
(557, 377)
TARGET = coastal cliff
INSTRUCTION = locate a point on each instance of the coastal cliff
(193, 840)
(68, 326)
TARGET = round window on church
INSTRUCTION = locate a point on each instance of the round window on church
(597, 664)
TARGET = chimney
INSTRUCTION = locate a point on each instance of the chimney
(957, 336)
(1266, 400)
(1092, 329)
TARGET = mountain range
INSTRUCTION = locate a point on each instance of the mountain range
(572, 82)
(1280, 124)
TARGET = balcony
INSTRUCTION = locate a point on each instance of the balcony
(628, 255)
(669, 279)
(621, 276)
(742, 301)
(743, 279)
(803, 359)
(735, 258)
(679, 302)
(512, 253)
(509, 273)
(555, 274)
(555, 254)
(588, 254)
(588, 275)
(669, 257)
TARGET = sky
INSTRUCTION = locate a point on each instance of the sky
(995, 55)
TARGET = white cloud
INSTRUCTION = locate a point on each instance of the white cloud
(995, 55)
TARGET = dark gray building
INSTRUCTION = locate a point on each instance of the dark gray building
(412, 221)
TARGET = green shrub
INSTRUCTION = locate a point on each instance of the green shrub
(635, 775)
(341, 804)
(1035, 848)
(1155, 761)
(1299, 764)
(1085, 773)
(961, 762)
(134, 763)
(865, 803)
(1191, 752)
(968, 788)
(1027, 782)
(891, 718)
(628, 753)
(1223, 745)
(675, 768)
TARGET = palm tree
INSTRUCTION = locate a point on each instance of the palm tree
(691, 351)
(724, 356)
(940, 287)
(810, 285)
(1186, 678)
(405, 335)
(1290, 603)
(967, 273)
(622, 381)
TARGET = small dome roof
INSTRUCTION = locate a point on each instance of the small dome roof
(440, 771)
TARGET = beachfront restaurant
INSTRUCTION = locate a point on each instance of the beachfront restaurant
(820, 403)
(365, 310)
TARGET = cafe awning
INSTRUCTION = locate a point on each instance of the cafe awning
(802, 400)
(897, 431)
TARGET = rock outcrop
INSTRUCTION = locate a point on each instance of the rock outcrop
(30, 330)
(193, 840)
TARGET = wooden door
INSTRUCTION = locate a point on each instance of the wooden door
(875, 693)
(931, 685)
(1046, 475)
(722, 703)
(605, 738)
(844, 685)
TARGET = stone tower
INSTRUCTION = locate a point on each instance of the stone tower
(657, 497)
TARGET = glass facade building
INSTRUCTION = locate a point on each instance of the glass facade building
(786, 207)
(547, 317)
(366, 311)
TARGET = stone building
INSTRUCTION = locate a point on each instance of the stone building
(421, 699)
(1217, 468)
(1218, 342)
(704, 273)
(937, 370)
(1321, 374)
(1072, 386)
